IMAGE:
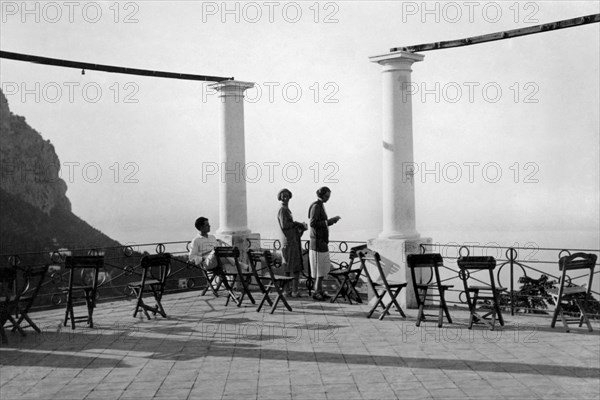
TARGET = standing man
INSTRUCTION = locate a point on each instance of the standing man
(319, 241)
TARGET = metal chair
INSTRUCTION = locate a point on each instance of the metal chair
(421, 289)
(473, 293)
(83, 284)
(156, 269)
(347, 276)
(277, 282)
(382, 288)
(570, 293)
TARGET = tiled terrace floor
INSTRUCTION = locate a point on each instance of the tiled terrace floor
(205, 350)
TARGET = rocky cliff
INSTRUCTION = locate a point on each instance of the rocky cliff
(35, 213)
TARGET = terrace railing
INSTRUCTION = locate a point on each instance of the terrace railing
(121, 266)
(527, 272)
(339, 253)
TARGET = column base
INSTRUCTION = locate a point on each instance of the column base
(404, 236)
(242, 240)
(393, 254)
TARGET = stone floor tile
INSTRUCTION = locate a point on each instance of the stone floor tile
(178, 358)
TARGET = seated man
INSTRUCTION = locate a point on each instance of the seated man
(202, 249)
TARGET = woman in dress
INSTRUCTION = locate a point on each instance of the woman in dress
(290, 240)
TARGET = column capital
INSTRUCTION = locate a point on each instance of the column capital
(397, 59)
(231, 87)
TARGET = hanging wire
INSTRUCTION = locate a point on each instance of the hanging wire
(552, 26)
(108, 68)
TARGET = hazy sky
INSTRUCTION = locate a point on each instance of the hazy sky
(508, 130)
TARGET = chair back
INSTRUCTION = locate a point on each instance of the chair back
(577, 261)
(228, 252)
(354, 254)
(156, 266)
(8, 284)
(476, 263)
(432, 261)
(356, 249)
(255, 257)
(89, 268)
(33, 278)
(369, 255)
(268, 257)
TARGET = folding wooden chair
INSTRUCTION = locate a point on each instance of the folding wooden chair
(491, 293)
(384, 290)
(155, 271)
(432, 262)
(255, 258)
(570, 293)
(347, 276)
(33, 277)
(9, 300)
(83, 284)
(277, 282)
(229, 278)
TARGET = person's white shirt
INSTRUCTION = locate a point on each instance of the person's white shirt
(202, 251)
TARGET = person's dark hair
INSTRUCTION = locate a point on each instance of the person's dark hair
(282, 191)
(322, 191)
(199, 222)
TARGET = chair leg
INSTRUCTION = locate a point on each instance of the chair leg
(353, 281)
(140, 305)
(246, 288)
(583, 317)
(497, 308)
(89, 300)
(18, 327)
(394, 302)
(339, 293)
(372, 310)
(69, 313)
(265, 298)
(158, 297)
(3, 338)
(137, 303)
(231, 293)
(66, 314)
(25, 317)
(444, 305)
(209, 284)
(421, 305)
(564, 320)
(275, 303)
(352, 291)
(472, 302)
(555, 314)
(280, 289)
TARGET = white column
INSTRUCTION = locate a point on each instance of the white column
(398, 184)
(232, 192)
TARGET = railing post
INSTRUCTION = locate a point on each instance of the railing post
(512, 264)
